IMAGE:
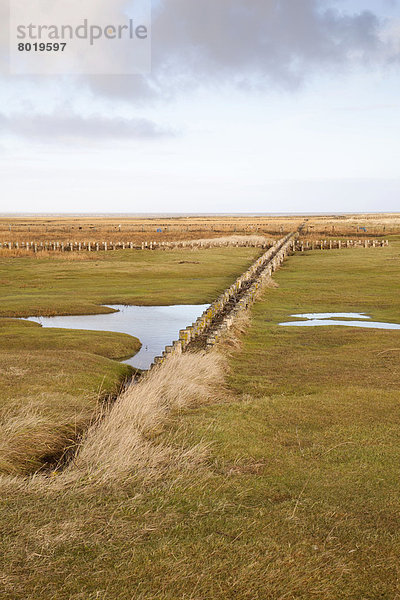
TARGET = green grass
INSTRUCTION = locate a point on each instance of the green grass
(299, 496)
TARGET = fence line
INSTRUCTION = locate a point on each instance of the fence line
(301, 245)
(304, 245)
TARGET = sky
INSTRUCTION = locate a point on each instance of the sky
(250, 106)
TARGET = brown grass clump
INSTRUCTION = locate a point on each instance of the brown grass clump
(232, 339)
(124, 441)
(269, 283)
(29, 438)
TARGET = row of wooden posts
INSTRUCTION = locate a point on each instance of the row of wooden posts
(256, 276)
(153, 245)
(301, 245)
(304, 245)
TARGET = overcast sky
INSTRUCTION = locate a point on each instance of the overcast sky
(251, 106)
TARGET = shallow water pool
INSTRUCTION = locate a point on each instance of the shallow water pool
(321, 319)
(155, 326)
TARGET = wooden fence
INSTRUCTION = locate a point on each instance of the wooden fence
(301, 245)
(304, 245)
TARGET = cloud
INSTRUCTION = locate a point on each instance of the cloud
(272, 38)
(390, 36)
(248, 42)
(70, 127)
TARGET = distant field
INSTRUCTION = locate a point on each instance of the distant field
(51, 380)
(117, 228)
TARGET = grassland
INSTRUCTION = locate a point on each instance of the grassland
(35, 286)
(295, 491)
(52, 379)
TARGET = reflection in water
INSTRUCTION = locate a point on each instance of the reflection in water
(319, 319)
(155, 326)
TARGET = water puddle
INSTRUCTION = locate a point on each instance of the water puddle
(155, 326)
(332, 315)
(320, 319)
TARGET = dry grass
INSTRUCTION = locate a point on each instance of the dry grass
(137, 229)
(118, 228)
(232, 239)
(124, 440)
(232, 339)
(268, 283)
(29, 437)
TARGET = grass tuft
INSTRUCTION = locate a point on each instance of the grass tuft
(124, 441)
